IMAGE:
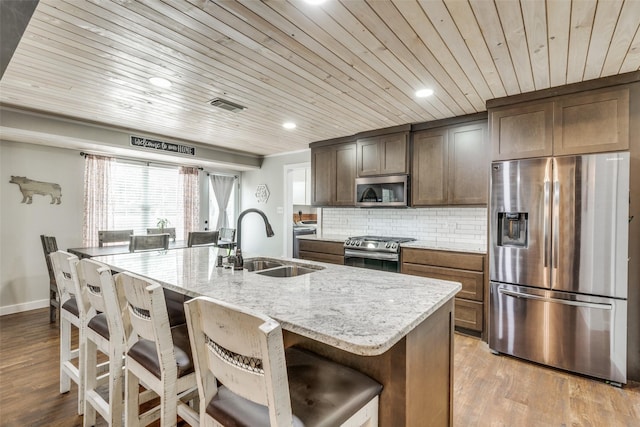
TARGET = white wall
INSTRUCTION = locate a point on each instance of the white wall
(254, 240)
(24, 281)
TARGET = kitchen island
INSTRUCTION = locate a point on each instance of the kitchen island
(395, 328)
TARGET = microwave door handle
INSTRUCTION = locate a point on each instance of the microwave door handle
(555, 300)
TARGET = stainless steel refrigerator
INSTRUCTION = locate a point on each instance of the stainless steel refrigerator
(558, 269)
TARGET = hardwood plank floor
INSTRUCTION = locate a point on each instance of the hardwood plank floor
(489, 390)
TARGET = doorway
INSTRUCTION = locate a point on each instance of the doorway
(299, 216)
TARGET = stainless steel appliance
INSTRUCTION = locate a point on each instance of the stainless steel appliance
(382, 191)
(559, 243)
(374, 252)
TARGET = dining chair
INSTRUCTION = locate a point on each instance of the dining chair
(104, 333)
(113, 236)
(147, 242)
(49, 245)
(201, 238)
(227, 235)
(246, 378)
(72, 312)
(157, 355)
(170, 230)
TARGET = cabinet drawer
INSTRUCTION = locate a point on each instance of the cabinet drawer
(320, 257)
(459, 260)
(469, 314)
(335, 248)
(472, 281)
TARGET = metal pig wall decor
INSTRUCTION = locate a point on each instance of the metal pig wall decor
(29, 187)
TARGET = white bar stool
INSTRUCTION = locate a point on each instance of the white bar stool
(72, 312)
(158, 355)
(104, 333)
(247, 378)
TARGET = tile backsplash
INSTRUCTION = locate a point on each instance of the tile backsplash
(446, 224)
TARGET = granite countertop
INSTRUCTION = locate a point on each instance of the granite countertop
(357, 310)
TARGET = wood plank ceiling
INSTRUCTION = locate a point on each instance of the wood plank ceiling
(334, 69)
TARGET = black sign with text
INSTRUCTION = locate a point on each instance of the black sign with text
(138, 141)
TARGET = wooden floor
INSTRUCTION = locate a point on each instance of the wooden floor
(489, 390)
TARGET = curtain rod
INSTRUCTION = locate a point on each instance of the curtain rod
(133, 159)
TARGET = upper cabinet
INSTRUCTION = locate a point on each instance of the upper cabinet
(587, 122)
(450, 165)
(383, 155)
(592, 122)
(333, 174)
(521, 131)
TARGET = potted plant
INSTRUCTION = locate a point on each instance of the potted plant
(162, 224)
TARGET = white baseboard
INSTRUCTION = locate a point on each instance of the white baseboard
(17, 308)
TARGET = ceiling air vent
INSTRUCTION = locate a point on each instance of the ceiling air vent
(226, 105)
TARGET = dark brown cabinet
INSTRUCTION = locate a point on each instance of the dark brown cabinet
(322, 251)
(466, 268)
(333, 173)
(450, 165)
(383, 155)
(597, 121)
(579, 123)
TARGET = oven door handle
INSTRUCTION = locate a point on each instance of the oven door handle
(384, 256)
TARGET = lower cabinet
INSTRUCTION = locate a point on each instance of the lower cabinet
(466, 268)
(322, 251)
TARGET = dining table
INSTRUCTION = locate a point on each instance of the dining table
(396, 328)
(94, 251)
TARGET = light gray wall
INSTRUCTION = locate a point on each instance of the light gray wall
(254, 240)
(24, 281)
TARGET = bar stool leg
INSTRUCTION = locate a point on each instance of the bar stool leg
(91, 382)
(132, 406)
(65, 354)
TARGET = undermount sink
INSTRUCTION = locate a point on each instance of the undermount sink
(261, 264)
(287, 271)
(278, 268)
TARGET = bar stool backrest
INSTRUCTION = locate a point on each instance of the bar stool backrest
(63, 264)
(242, 349)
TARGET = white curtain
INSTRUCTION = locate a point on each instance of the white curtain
(222, 187)
(190, 198)
(98, 214)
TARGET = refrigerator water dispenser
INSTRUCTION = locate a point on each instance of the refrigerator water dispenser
(512, 229)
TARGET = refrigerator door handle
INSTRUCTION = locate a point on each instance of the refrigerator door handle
(547, 220)
(555, 224)
(554, 300)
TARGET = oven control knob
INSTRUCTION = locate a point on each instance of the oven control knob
(394, 245)
(386, 245)
(358, 243)
(348, 242)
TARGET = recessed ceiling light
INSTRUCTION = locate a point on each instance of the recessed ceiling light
(315, 2)
(160, 82)
(423, 93)
(289, 125)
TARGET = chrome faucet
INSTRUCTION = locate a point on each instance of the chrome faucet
(239, 262)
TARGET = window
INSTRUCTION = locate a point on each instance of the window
(214, 209)
(141, 194)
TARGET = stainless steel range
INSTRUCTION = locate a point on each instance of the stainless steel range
(374, 252)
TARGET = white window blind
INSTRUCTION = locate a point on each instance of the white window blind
(142, 194)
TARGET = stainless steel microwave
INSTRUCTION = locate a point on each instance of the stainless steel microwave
(382, 191)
